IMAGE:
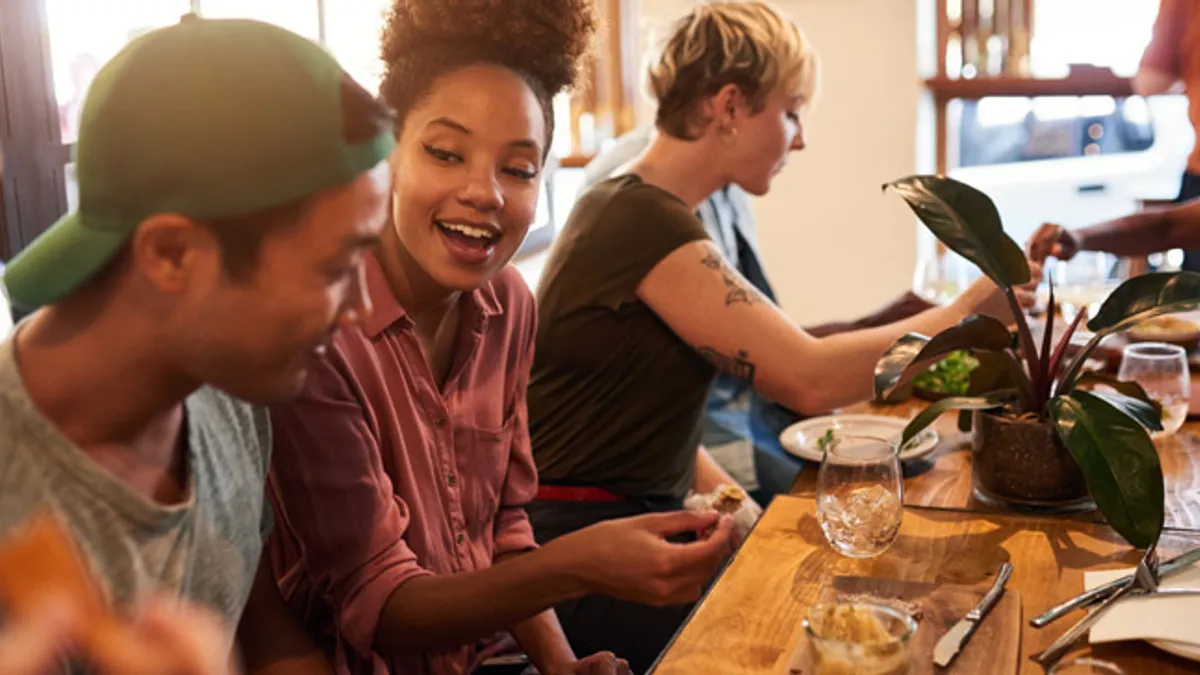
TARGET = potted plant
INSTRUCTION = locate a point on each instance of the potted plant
(1042, 438)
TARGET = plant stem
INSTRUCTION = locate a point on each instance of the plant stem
(1047, 334)
(1028, 349)
(1061, 349)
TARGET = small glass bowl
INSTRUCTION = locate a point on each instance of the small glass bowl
(858, 638)
(1086, 666)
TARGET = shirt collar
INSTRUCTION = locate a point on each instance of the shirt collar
(386, 310)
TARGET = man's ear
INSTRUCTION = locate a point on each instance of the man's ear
(169, 249)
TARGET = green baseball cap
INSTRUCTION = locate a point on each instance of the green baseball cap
(208, 118)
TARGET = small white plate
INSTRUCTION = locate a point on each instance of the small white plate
(1180, 649)
(801, 438)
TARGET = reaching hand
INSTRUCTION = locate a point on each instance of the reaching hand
(32, 644)
(631, 558)
(1052, 240)
(167, 638)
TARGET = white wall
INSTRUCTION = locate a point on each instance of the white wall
(834, 246)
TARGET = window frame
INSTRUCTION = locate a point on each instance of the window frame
(32, 187)
(33, 191)
(946, 87)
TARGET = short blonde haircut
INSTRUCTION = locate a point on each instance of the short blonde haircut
(750, 44)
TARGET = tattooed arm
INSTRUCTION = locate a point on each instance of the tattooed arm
(714, 309)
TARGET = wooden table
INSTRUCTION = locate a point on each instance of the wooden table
(944, 479)
(751, 619)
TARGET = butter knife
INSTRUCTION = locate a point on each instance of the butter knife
(952, 642)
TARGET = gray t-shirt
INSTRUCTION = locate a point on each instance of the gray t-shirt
(205, 549)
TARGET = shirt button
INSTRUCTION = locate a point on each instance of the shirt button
(459, 538)
(452, 480)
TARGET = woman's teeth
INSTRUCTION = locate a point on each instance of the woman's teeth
(473, 232)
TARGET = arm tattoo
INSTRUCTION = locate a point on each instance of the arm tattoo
(736, 289)
(737, 365)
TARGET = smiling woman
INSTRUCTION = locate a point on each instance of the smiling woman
(401, 473)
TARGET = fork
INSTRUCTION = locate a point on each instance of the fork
(1144, 580)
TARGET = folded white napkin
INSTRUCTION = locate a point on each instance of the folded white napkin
(1161, 617)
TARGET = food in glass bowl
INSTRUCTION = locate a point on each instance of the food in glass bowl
(1169, 329)
(859, 639)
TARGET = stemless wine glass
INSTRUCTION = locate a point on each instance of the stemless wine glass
(939, 277)
(1084, 282)
(1162, 370)
(860, 495)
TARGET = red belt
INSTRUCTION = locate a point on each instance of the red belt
(572, 493)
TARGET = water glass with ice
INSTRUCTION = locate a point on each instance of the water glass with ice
(860, 495)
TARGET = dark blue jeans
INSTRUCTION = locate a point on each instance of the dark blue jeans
(596, 623)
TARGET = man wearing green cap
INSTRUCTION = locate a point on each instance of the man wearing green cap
(231, 179)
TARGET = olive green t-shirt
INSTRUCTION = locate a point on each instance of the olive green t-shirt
(616, 398)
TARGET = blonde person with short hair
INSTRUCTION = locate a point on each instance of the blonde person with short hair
(638, 309)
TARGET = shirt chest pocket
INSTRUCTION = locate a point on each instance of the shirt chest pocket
(482, 455)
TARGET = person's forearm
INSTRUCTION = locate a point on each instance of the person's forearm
(1133, 235)
(709, 474)
(841, 369)
(438, 611)
(835, 327)
(272, 641)
(541, 636)
(908, 304)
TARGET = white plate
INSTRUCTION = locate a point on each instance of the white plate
(801, 438)
(1180, 649)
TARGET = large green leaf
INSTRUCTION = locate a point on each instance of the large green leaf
(1134, 301)
(965, 220)
(1119, 463)
(931, 413)
(1001, 371)
(1146, 414)
(1144, 297)
(912, 354)
(1131, 389)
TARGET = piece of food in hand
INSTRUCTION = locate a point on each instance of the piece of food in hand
(39, 562)
(729, 499)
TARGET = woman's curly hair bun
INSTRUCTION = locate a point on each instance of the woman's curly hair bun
(543, 40)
